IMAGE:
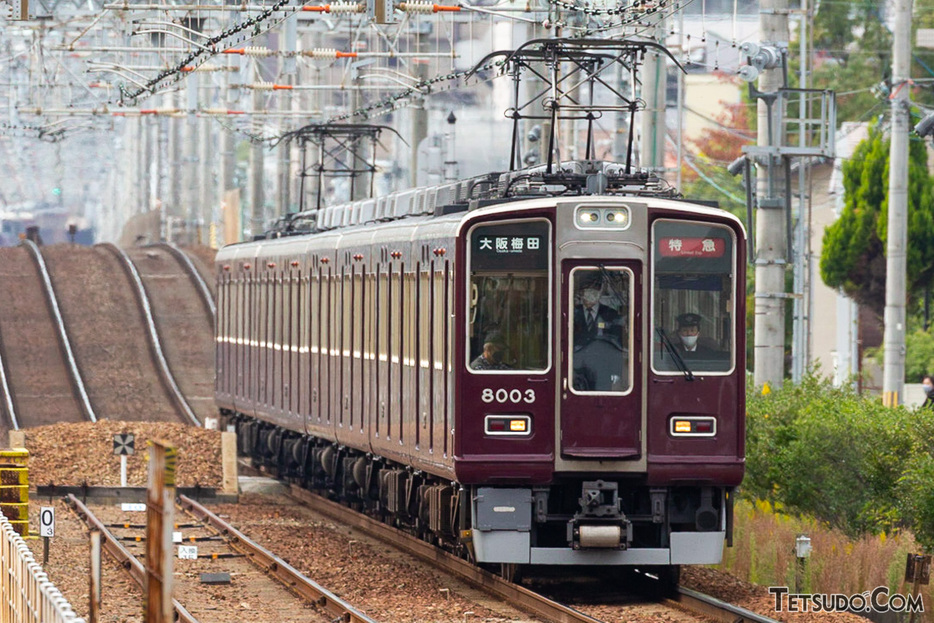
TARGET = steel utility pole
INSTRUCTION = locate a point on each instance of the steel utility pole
(770, 224)
(893, 377)
(654, 83)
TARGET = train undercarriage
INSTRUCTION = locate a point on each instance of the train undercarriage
(579, 520)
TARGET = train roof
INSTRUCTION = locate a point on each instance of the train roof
(414, 213)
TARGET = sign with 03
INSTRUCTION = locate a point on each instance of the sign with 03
(47, 521)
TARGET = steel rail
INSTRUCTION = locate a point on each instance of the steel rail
(77, 383)
(155, 342)
(277, 568)
(123, 557)
(716, 609)
(522, 598)
(5, 388)
(518, 596)
(194, 275)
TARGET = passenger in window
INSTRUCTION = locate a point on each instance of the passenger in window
(690, 343)
(493, 355)
(592, 320)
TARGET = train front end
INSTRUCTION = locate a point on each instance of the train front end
(600, 380)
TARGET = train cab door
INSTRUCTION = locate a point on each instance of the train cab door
(601, 397)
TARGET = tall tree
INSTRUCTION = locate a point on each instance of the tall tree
(705, 175)
(853, 255)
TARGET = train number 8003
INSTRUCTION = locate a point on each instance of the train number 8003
(504, 396)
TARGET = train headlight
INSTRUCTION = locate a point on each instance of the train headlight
(514, 425)
(588, 217)
(693, 426)
(602, 217)
(619, 218)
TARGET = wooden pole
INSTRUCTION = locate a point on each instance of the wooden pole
(160, 507)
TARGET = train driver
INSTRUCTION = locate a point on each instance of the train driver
(492, 357)
(690, 344)
(593, 320)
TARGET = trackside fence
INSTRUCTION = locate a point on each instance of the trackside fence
(26, 594)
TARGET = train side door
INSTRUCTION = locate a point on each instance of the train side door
(601, 398)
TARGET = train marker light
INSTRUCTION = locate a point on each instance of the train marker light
(515, 425)
(693, 426)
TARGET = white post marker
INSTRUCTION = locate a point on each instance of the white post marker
(124, 445)
(47, 521)
(46, 530)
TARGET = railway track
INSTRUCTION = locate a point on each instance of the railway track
(222, 550)
(109, 336)
(157, 354)
(42, 384)
(701, 606)
(197, 279)
(182, 310)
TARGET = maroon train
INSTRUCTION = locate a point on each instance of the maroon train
(496, 365)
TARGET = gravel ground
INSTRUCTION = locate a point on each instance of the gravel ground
(185, 329)
(39, 380)
(387, 585)
(383, 583)
(753, 597)
(75, 454)
(108, 335)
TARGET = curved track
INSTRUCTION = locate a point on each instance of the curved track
(51, 298)
(151, 330)
(183, 314)
(109, 337)
(40, 383)
(195, 275)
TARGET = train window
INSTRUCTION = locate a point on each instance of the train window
(509, 311)
(693, 297)
(600, 329)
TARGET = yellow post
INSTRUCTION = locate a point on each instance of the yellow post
(890, 399)
(14, 488)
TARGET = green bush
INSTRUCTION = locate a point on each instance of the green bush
(919, 353)
(843, 458)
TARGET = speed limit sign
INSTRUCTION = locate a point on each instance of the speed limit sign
(47, 521)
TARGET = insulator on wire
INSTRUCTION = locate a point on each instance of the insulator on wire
(328, 54)
(424, 7)
(252, 50)
(263, 86)
(346, 7)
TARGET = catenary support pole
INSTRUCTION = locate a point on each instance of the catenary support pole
(893, 373)
(770, 219)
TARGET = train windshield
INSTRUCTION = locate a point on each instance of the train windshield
(693, 310)
(600, 345)
(509, 317)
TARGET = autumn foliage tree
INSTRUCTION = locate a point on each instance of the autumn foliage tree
(704, 175)
(854, 247)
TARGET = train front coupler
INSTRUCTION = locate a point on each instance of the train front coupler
(599, 523)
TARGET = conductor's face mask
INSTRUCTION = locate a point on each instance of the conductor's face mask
(590, 297)
(689, 341)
